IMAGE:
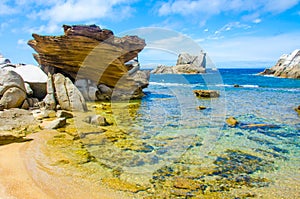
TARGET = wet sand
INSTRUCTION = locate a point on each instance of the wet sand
(23, 176)
(15, 181)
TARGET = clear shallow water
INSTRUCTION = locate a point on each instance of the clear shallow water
(168, 138)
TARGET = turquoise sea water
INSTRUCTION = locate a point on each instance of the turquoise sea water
(178, 140)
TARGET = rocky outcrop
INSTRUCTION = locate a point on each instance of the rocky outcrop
(12, 89)
(87, 52)
(206, 93)
(288, 66)
(91, 56)
(62, 92)
(186, 64)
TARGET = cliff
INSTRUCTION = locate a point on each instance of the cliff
(186, 64)
(288, 66)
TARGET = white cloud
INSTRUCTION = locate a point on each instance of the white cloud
(205, 9)
(82, 10)
(231, 26)
(256, 20)
(260, 49)
(49, 28)
(278, 6)
(6, 9)
(22, 42)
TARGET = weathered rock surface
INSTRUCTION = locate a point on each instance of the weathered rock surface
(64, 114)
(87, 52)
(95, 55)
(12, 89)
(62, 91)
(15, 124)
(288, 66)
(207, 93)
(55, 124)
(35, 77)
(15, 119)
(298, 110)
(231, 121)
(186, 64)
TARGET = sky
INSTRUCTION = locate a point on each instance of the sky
(233, 33)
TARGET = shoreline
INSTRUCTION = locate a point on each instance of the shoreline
(25, 176)
(15, 180)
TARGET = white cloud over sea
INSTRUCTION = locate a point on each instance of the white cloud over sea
(255, 49)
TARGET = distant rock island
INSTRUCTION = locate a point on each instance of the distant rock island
(186, 64)
(288, 66)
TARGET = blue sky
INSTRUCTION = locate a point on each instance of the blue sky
(234, 33)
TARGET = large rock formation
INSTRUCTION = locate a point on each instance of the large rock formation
(61, 91)
(88, 52)
(288, 66)
(186, 64)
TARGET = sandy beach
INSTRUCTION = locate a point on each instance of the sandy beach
(15, 181)
(24, 177)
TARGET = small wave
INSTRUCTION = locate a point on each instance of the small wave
(249, 86)
(168, 84)
(224, 85)
(286, 89)
(245, 86)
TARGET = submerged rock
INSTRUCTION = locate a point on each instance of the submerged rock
(298, 110)
(96, 120)
(201, 107)
(288, 66)
(231, 121)
(207, 93)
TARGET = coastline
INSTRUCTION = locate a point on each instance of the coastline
(15, 180)
(24, 176)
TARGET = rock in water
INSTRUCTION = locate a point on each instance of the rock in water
(298, 109)
(87, 52)
(186, 64)
(207, 93)
(288, 66)
(231, 121)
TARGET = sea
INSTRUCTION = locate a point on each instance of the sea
(177, 150)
